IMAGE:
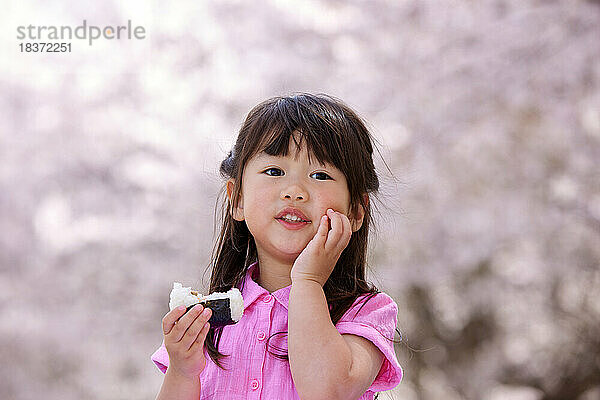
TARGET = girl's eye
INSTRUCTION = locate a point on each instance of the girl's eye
(323, 174)
(272, 169)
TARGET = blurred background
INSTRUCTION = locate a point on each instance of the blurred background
(488, 116)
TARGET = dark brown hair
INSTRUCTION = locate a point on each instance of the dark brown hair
(333, 134)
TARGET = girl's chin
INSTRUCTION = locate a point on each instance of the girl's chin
(291, 250)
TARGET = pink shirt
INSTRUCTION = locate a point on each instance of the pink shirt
(253, 373)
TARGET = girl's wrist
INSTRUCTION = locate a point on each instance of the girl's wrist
(181, 377)
(300, 276)
(179, 387)
(301, 280)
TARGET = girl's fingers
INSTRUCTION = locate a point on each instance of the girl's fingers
(323, 227)
(195, 328)
(199, 342)
(341, 231)
(346, 223)
(347, 230)
(184, 322)
(336, 228)
(202, 334)
(171, 317)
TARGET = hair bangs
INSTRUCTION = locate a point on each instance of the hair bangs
(288, 118)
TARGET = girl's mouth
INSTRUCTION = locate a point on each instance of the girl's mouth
(292, 225)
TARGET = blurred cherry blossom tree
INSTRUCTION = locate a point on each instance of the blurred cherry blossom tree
(488, 115)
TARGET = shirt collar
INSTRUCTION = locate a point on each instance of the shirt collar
(252, 291)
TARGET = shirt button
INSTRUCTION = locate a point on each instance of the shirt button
(267, 298)
(261, 335)
(255, 384)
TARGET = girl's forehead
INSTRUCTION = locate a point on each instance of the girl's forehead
(263, 156)
(300, 148)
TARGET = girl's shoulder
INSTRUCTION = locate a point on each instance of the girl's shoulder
(373, 304)
(378, 298)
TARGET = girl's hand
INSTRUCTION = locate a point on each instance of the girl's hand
(318, 259)
(184, 339)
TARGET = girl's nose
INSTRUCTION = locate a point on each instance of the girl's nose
(298, 197)
(294, 193)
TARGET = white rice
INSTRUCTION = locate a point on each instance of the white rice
(182, 296)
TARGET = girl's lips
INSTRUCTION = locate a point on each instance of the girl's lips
(293, 211)
(292, 225)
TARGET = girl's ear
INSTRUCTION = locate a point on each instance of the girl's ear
(238, 213)
(356, 223)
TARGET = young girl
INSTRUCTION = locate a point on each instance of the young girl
(294, 241)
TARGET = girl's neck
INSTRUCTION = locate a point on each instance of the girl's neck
(274, 276)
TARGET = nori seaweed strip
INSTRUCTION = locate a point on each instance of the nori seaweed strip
(221, 312)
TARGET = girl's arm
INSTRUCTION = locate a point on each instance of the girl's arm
(184, 342)
(178, 387)
(320, 358)
(324, 364)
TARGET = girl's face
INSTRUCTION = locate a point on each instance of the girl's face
(272, 183)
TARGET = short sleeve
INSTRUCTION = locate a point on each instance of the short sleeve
(376, 321)
(161, 358)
